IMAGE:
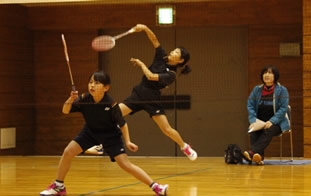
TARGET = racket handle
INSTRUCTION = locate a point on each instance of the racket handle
(73, 88)
(123, 34)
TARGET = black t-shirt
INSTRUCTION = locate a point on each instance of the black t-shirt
(167, 73)
(104, 117)
(265, 108)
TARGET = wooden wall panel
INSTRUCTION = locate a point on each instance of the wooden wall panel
(51, 72)
(265, 40)
(307, 117)
(91, 16)
(307, 62)
(307, 135)
(16, 78)
(307, 44)
(306, 81)
(307, 102)
(307, 151)
(237, 12)
(307, 26)
(270, 23)
(264, 43)
(13, 16)
(307, 76)
(306, 10)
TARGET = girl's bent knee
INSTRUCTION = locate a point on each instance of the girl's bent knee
(69, 152)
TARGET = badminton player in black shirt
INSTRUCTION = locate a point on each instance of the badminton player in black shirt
(104, 124)
(161, 73)
(146, 95)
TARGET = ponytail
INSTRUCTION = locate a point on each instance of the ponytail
(186, 56)
(186, 70)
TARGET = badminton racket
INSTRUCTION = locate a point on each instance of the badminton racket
(68, 63)
(106, 42)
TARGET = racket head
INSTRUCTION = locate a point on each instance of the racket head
(103, 43)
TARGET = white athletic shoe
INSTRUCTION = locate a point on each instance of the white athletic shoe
(54, 190)
(191, 154)
(159, 189)
(97, 150)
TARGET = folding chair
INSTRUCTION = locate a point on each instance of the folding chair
(290, 135)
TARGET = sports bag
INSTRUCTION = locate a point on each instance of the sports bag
(233, 154)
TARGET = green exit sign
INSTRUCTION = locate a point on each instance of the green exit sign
(165, 15)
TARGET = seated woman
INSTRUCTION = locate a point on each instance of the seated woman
(267, 102)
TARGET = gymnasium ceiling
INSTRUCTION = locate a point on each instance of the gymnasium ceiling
(31, 3)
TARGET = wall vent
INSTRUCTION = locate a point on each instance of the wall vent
(290, 49)
(7, 138)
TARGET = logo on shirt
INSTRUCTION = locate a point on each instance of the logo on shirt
(107, 108)
(122, 149)
(167, 69)
(158, 111)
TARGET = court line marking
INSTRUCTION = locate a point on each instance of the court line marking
(127, 185)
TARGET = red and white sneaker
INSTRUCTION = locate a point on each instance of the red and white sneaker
(54, 190)
(159, 189)
(191, 154)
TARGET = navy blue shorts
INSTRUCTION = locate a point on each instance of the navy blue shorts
(113, 146)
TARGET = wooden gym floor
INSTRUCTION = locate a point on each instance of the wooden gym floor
(89, 175)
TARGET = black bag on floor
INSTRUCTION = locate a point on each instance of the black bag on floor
(233, 154)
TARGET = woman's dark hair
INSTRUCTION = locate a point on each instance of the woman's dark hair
(184, 54)
(274, 70)
(186, 70)
(101, 76)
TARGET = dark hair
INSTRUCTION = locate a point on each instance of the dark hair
(274, 70)
(184, 54)
(101, 76)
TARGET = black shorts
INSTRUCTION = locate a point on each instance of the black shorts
(143, 98)
(113, 146)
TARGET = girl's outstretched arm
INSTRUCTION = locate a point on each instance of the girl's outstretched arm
(152, 37)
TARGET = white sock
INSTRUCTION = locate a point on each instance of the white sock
(154, 184)
(185, 145)
(59, 184)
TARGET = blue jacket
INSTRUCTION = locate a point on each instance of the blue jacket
(280, 106)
